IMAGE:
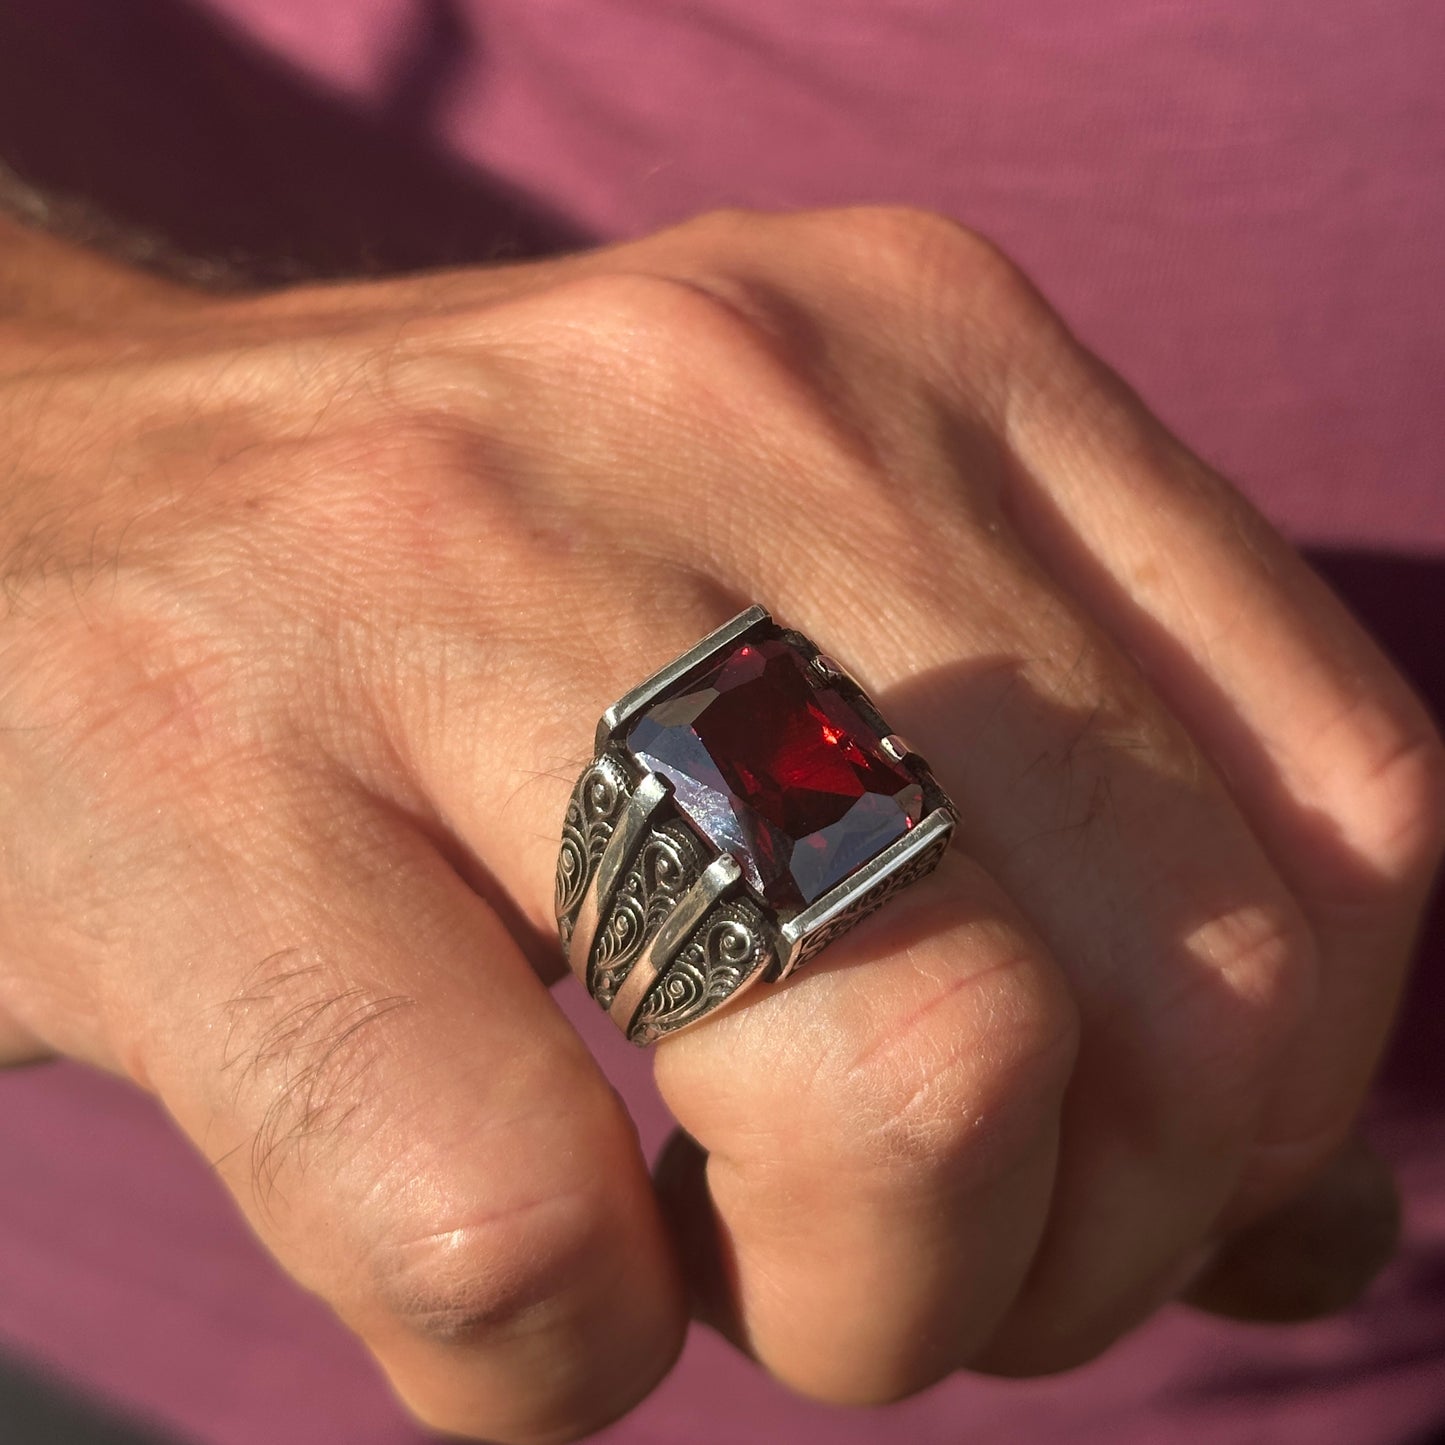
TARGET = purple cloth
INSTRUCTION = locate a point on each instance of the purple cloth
(1240, 205)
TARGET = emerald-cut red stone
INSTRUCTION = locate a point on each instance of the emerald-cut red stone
(774, 765)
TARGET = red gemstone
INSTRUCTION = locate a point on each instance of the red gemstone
(775, 765)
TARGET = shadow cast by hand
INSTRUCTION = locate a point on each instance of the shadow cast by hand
(193, 142)
(967, 716)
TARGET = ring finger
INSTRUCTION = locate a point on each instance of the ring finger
(1185, 950)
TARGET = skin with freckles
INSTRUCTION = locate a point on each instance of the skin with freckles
(308, 603)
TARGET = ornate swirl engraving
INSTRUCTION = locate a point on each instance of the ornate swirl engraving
(667, 864)
(591, 815)
(727, 950)
(873, 899)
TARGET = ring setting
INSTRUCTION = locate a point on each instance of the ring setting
(746, 807)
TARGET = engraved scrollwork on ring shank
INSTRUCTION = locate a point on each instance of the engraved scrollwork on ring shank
(667, 864)
(591, 816)
(726, 951)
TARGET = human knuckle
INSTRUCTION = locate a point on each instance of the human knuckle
(916, 246)
(541, 1254)
(447, 360)
(1395, 772)
(1244, 991)
(901, 225)
(726, 220)
(633, 300)
(664, 326)
(518, 1270)
(962, 1082)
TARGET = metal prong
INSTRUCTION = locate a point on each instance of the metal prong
(630, 704)
(689, 910)
(822, 911)
(896, 747)
(627, 836)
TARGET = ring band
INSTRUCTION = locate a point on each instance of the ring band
(746, 807)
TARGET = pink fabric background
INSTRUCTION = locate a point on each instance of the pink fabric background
(1240, 205)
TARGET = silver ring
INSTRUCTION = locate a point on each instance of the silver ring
(746, 807)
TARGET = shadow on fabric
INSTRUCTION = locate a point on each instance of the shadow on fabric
(192, 133)
(35, 1411)
(1401, 600)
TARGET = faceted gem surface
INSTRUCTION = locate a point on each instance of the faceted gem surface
(776, 766)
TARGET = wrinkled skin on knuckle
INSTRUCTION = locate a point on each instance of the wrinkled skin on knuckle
(720, 349)
(515, 1272)
(487, 1293)
(698, 361)
(670, 345)
(967, 1099)
(848, 290)
(670, 393)
(896, 241)
(1389, 760)
(540, 1275)
(467, 1256)
(453, 1240)
(955, 1087)
(930, 258)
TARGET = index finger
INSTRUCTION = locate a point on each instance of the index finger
(413, 1127)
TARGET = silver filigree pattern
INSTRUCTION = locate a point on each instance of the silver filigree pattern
(667, 864)
(727, 950)
(592, 813)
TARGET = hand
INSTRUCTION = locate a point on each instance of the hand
(311, 602)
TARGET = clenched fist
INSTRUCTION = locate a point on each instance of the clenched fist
(310, 601)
